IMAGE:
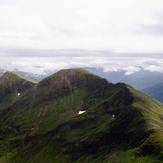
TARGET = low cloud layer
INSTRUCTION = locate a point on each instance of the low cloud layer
(41, 36)
(43, 65)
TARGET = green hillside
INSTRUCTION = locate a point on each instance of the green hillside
(74, 116)
(12, 86)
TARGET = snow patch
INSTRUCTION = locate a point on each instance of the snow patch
(81, 112)
(113, 116)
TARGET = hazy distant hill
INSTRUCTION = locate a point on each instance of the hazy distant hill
(140, 80)
(34, 76)
(155, 91)
(75, 116)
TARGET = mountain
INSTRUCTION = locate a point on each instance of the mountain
(12, 86)
(2, 72)
(155, 91)
(36, 77)
(75, 116)
(140, 80)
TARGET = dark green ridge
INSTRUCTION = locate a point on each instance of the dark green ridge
(11, 87)
(120, 124)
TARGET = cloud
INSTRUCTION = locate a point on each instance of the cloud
(120, 26)
(44, 65)
(39, 36)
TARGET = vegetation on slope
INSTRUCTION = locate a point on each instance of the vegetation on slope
(120, 124)
(11, 87)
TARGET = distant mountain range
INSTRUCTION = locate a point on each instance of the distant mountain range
(146, 81)
(140, 80)
(155, 91)
(75, 116)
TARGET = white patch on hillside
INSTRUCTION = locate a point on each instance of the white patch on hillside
(81, 112)
(113, 116)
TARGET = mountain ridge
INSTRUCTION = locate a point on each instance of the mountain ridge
(116, 118)
(11, 87)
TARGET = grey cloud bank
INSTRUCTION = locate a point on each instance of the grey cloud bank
(122, 26)
(40, 36)
(42, 65)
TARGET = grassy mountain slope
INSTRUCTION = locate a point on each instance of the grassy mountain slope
(155, 91)
(120, 124)
(11, 87)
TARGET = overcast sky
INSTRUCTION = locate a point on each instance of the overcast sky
(76, 30)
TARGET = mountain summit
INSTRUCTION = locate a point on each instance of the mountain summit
(70, 78)
(76, 116)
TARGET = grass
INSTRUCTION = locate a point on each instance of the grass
(25, 78)
(43, 125)
(10, 85)
(8, 100)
